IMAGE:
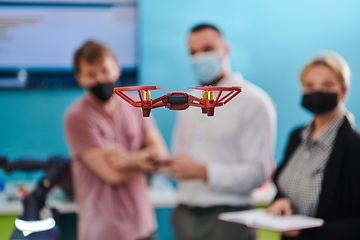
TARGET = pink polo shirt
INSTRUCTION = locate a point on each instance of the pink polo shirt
(108, 212)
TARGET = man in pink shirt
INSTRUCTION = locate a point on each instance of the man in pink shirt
(112, 147)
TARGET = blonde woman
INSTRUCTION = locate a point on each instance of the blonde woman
(320, 173)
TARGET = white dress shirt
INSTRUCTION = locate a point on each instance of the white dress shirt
(236, 146)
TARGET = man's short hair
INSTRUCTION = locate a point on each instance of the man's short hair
(203, 26)
(90, 52)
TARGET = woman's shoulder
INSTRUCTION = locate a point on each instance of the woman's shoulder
(352, 136)
(353, 141)
(350, 140)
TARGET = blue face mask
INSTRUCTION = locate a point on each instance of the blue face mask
(207, 67)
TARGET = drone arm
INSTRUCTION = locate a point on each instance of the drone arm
(227, 95)
(195, 102)
(230, 96)
(128, 99)
(217, 98)
(125, 97)
(159, 99)
(226, 98)
(159, 102)
(157, 105)
(140, 95)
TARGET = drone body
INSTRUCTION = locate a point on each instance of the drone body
(179, 100)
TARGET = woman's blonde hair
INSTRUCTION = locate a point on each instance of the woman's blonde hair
(333, 61)
(341, 69)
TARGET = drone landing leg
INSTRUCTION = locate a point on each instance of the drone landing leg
(146, 112)
(210, 111)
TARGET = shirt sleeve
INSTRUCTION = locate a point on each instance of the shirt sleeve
(81, 134)
(256, 145)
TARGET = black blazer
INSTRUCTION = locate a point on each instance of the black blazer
(339, 203)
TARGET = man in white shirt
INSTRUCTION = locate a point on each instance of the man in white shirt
(219, 160)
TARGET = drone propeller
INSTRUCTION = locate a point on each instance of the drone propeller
(144, 94)
(208, 97)
(214, 88)
(137, 88)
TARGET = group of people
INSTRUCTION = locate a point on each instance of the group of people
(217, 161)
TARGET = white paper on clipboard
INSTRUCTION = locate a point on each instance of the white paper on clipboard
(258, 218)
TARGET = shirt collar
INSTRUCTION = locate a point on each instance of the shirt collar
(328, 134)
(235, 79)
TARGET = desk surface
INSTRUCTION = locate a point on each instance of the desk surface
(159, 199)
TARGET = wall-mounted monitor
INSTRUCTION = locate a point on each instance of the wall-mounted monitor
(38, 39)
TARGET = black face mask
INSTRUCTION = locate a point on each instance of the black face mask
(319, 102)
(103, 91)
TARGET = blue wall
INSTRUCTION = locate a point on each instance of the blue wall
(270, 42)
(31, 124)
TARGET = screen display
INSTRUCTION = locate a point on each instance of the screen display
(43, 35)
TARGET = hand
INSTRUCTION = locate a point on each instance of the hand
(281, 206)
(183, 167)
(158, 160)
(147, 159)
(271, 169)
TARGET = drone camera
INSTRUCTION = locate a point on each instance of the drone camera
(178, 99)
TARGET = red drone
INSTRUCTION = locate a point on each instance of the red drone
(179, 100)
